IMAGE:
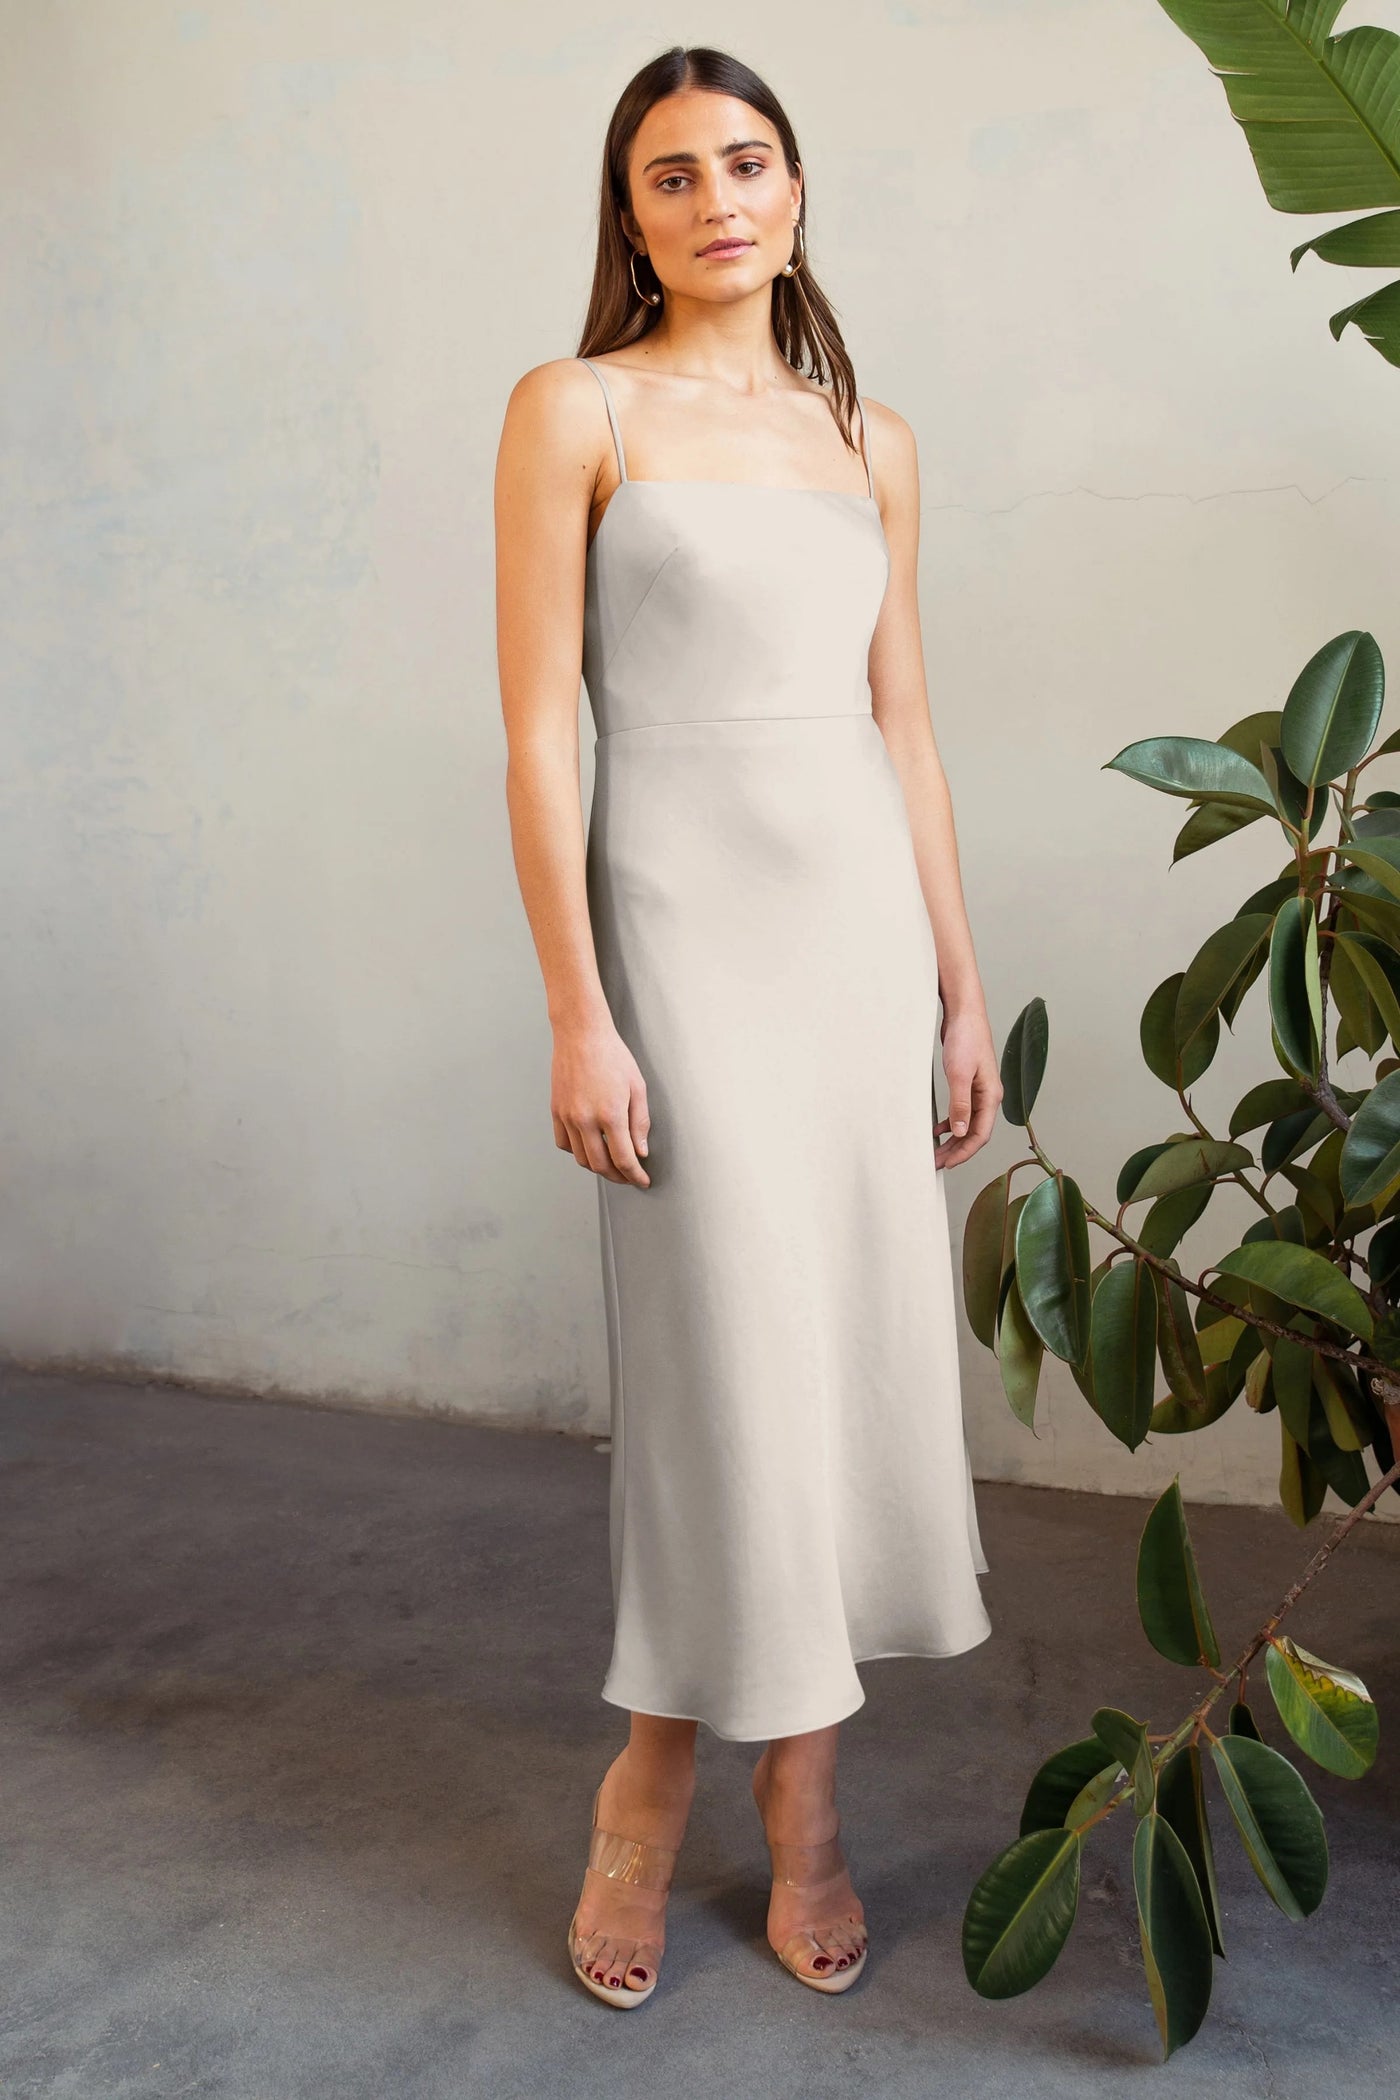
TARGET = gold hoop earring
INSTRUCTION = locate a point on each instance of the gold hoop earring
(649, 298)
(794, 263)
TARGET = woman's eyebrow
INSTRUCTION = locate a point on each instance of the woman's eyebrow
(735, 146)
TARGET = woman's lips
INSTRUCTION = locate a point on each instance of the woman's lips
(726, 248)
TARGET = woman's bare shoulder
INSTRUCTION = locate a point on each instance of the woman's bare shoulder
(887, 424)
(554, 388)
(556, 420)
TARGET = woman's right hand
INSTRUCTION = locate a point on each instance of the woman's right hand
(598, 1098)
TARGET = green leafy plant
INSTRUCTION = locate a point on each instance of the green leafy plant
(1297, 1318)
(1321, 115)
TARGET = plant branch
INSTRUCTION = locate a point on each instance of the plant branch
(1203, 1291)
(1196, 1718)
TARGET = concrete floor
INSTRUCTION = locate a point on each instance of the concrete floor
(300, 1726)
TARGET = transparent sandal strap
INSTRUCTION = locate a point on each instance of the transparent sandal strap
(800, 1866)
(645, 1865)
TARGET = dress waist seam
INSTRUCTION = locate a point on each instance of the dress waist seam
(845, 714)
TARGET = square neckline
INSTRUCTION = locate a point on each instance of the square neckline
(774, 488)
(762, 488)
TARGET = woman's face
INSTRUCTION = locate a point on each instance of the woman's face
(713, 204)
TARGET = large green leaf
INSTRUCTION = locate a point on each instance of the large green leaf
(1318, 111)
(1178, 1344)
(1060, 1781)
(1377, 315)
(1293, 1386)
(1279, 1823)
(1171, 1603)
(1123, 1348)
(1182, 1162)
(1023, 1061)
(988, 1238)
(1157, 1035)
(1266, 1102)
(1020, 1352)
(1242, 1721)
(1302, 1485)
(1052, 1266)
(1302, 1277)
(1379, 971)
(1207, 826)
(1094, 1796)
(1217, 969)
(1019, 1913)
(1181, 1798)
(1126, 1739)
(1321, 115)
(1171, 1218)
(1175, 1932)
(1361, 1023)
(1328, 1712)
(1344, 1471)
(1366, 244)
(1333, 711)
(1194, 767)
(1370, 1162)
(1342, 1405)
(1295, 987)
(1173, 1417)
(1378, 857)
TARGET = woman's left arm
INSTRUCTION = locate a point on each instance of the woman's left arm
(899, 697)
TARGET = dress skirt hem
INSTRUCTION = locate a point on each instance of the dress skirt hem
(806, 1724)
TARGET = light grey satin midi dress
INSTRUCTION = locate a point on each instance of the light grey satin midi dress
(790, 1486)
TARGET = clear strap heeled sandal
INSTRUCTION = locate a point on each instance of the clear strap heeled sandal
(834, 1945)
(646, 1866)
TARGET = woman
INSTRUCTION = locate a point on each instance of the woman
(743, 964)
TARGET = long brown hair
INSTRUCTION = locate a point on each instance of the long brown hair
(804, 322)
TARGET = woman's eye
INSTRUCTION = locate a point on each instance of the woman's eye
(667, 180)
(756, 165)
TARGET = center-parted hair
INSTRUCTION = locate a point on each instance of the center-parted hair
(804, 322)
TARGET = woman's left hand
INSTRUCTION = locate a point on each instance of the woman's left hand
(973, 1074)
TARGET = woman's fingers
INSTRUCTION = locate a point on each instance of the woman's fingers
(985, 1089)
(599, 1104)
(596, 1153)
(640, 1119)
(609, 1144)
(624, 1156)
(576, 1144)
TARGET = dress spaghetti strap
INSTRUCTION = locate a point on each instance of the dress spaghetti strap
(865, 444)
(612, 416)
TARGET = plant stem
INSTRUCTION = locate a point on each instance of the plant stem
(1196, 1718)
(1357, 1361)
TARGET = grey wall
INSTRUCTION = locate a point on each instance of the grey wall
(275, 1081)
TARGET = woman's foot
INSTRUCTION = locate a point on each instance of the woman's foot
(619, 1928)
(816, 1923)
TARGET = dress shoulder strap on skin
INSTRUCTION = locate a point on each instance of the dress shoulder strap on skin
(612, 416)
(865, 443)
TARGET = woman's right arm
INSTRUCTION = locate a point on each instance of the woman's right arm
(553, 445)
